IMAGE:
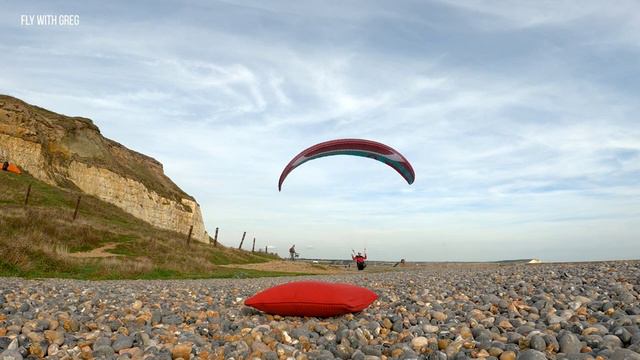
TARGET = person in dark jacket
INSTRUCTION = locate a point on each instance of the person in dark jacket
(360, 260)
(292, 252)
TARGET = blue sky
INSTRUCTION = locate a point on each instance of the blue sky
(520, 118)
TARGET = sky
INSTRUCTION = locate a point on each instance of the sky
(520, 118)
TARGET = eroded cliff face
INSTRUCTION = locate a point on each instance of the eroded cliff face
(27, 154)
(70, 152)
(136, 199)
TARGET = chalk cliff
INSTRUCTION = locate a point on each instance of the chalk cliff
(70, 152)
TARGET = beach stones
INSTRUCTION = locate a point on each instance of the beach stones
(561, 311)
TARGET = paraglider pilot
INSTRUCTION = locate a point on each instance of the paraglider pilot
(359, 259)
(292, 252)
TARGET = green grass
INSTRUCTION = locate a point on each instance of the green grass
(39, 240)
(223, 273)
(219, 258)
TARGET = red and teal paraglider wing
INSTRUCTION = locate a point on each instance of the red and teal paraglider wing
(354, 147)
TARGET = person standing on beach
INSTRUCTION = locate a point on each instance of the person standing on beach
(292, 252)
(359, 259)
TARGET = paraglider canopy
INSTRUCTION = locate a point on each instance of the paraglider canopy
(354, 147)
(10, 167)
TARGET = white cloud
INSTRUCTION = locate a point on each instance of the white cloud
(602, 23)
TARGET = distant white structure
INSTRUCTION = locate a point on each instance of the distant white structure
(521, 261)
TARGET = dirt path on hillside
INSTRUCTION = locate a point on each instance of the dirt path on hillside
(96, 253)
(292, 266)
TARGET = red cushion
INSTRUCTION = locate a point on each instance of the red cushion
(312, 298)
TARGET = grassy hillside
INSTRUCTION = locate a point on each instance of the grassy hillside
(41, 240)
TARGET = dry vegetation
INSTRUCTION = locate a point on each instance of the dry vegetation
(38, 240)
(295, 266)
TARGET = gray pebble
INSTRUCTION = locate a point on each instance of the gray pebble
(611, 342)
(357, 355)
(11, 355)
(102, 341)
(122, 342)
(4, 343)
(172, 319)
(398, 326)
(531, 355)
(156, 317)
(437, 355)
(103, 351)
(569, 343)
(577, 356)
(537, 343)
(372, 350)
(625, 354)
(623, 334)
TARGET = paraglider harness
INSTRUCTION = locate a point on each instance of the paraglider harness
(359, 259)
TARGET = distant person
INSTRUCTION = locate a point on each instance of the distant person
(360, 260)
(292, 252)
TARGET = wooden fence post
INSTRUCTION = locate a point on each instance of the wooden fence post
(26, 198)
(241, 241)
(215, 239)
(75, 212)
(253, 248)
(189, 236)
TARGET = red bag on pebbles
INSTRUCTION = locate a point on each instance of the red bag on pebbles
(312, 298)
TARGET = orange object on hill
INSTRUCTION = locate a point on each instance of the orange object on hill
(10, 167)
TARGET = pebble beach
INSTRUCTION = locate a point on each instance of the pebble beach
(455, 311)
